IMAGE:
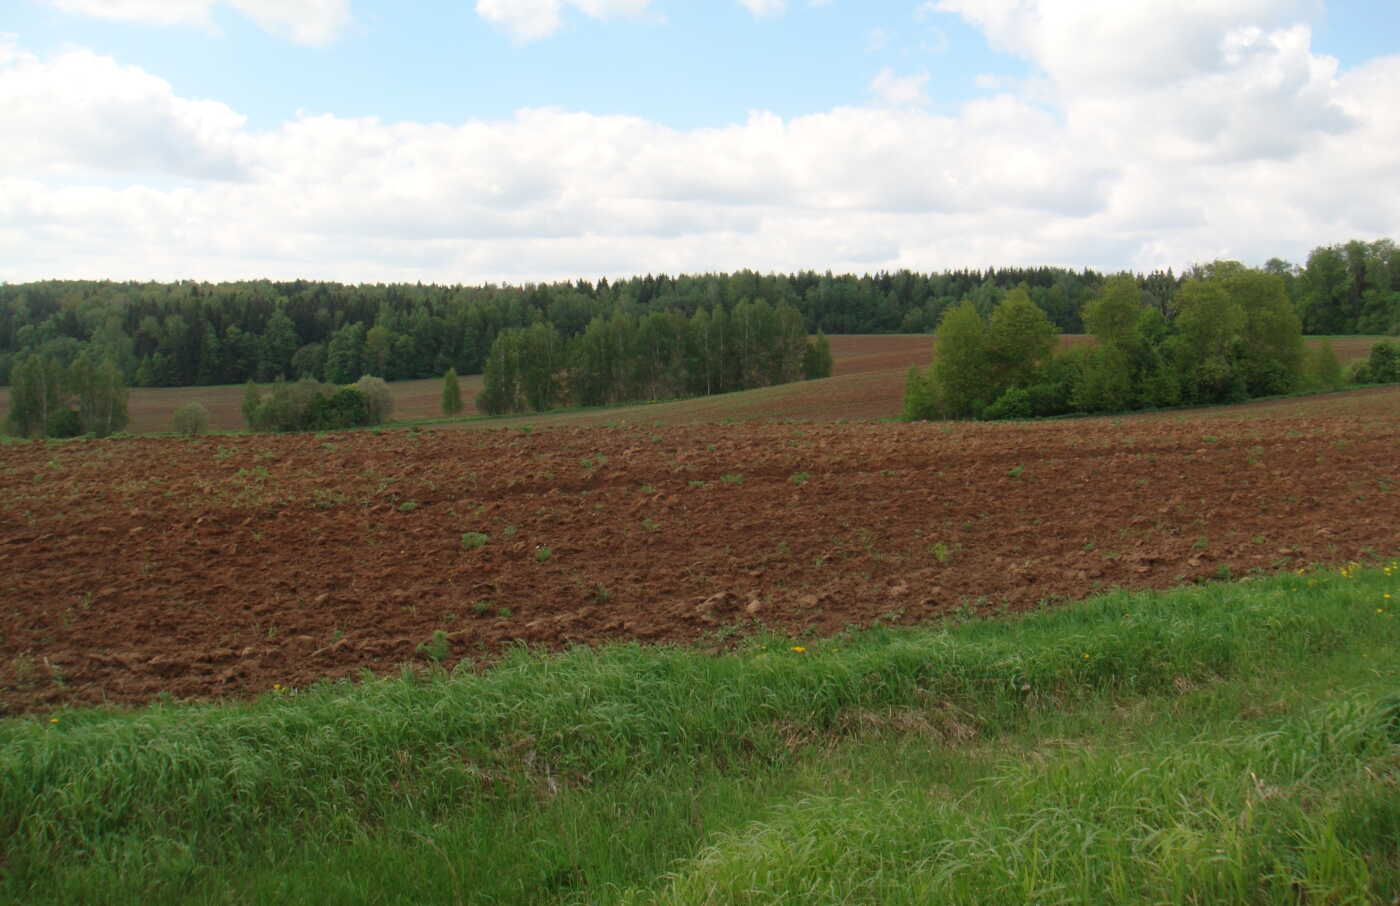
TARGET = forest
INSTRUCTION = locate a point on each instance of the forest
(192, 333)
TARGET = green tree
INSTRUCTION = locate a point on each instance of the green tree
(816, 361)
(252, 402)
(1208, 322)
(1324, 371)
(379, 348)
(540, 364)
(36, 391)
(501, 384)
(279, 342)
(1112, 315)
(379, 399)
(1326, 292)
(1269, 356)
(451, 393)
(1019, 339)
(100, 393)
(1105, 382)
(921, 401)
(310, 361)
(345, 354)
(961, 373)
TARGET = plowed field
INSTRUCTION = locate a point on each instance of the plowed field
(224, 565)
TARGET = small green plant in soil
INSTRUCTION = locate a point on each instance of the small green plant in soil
(436, 648)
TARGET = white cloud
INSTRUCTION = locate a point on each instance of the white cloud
(83, 111)
(1264, 149)
(531, 20)
(900, 91)
(311, 22)
(1229, 79)
(765, 8)
(1081, 43)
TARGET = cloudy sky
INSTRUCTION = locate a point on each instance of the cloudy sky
(513, 140)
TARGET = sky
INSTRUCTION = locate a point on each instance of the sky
(518, 141)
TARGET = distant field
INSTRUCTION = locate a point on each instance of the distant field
(867, 382)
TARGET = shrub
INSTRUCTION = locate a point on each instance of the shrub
(1359, 373)
(1324, 371)
(920, 397)
(1105, 381)
(1015, 402)
(252, 400)
(346, 408)
(377, 397)
(63, 423)
(307, 405)
(190, 419)
(816, 360)
(451, 393)
(1384, 363)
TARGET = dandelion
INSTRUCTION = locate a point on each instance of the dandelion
(1086, 655)
(798, 648)
(53, 720)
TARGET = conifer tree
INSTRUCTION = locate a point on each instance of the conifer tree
(451, 393)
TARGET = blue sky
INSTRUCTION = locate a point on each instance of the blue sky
(541, 139)
(690, 64)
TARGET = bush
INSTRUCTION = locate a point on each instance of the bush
(1051, 389)
(311, 406)
(1324, 371)
(63, 423)
(1359, 373)
(920, 397)
(1384, 363)
(816, 360)
(190, 419)
(1014, 403)
(1105, 381)
(377, 397)
(346, 408)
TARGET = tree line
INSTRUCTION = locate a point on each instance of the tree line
(1234, 333)
(192, 333)
(658, 355)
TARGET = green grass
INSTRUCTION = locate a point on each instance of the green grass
(1221, 744)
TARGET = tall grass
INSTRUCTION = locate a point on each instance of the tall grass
(888, 766)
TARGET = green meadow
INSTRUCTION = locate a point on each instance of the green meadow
(1223, 743)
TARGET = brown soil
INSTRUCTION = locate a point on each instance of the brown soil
(220, 566)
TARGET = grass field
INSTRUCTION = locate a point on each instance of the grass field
(867, 381)
(1232, 743)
